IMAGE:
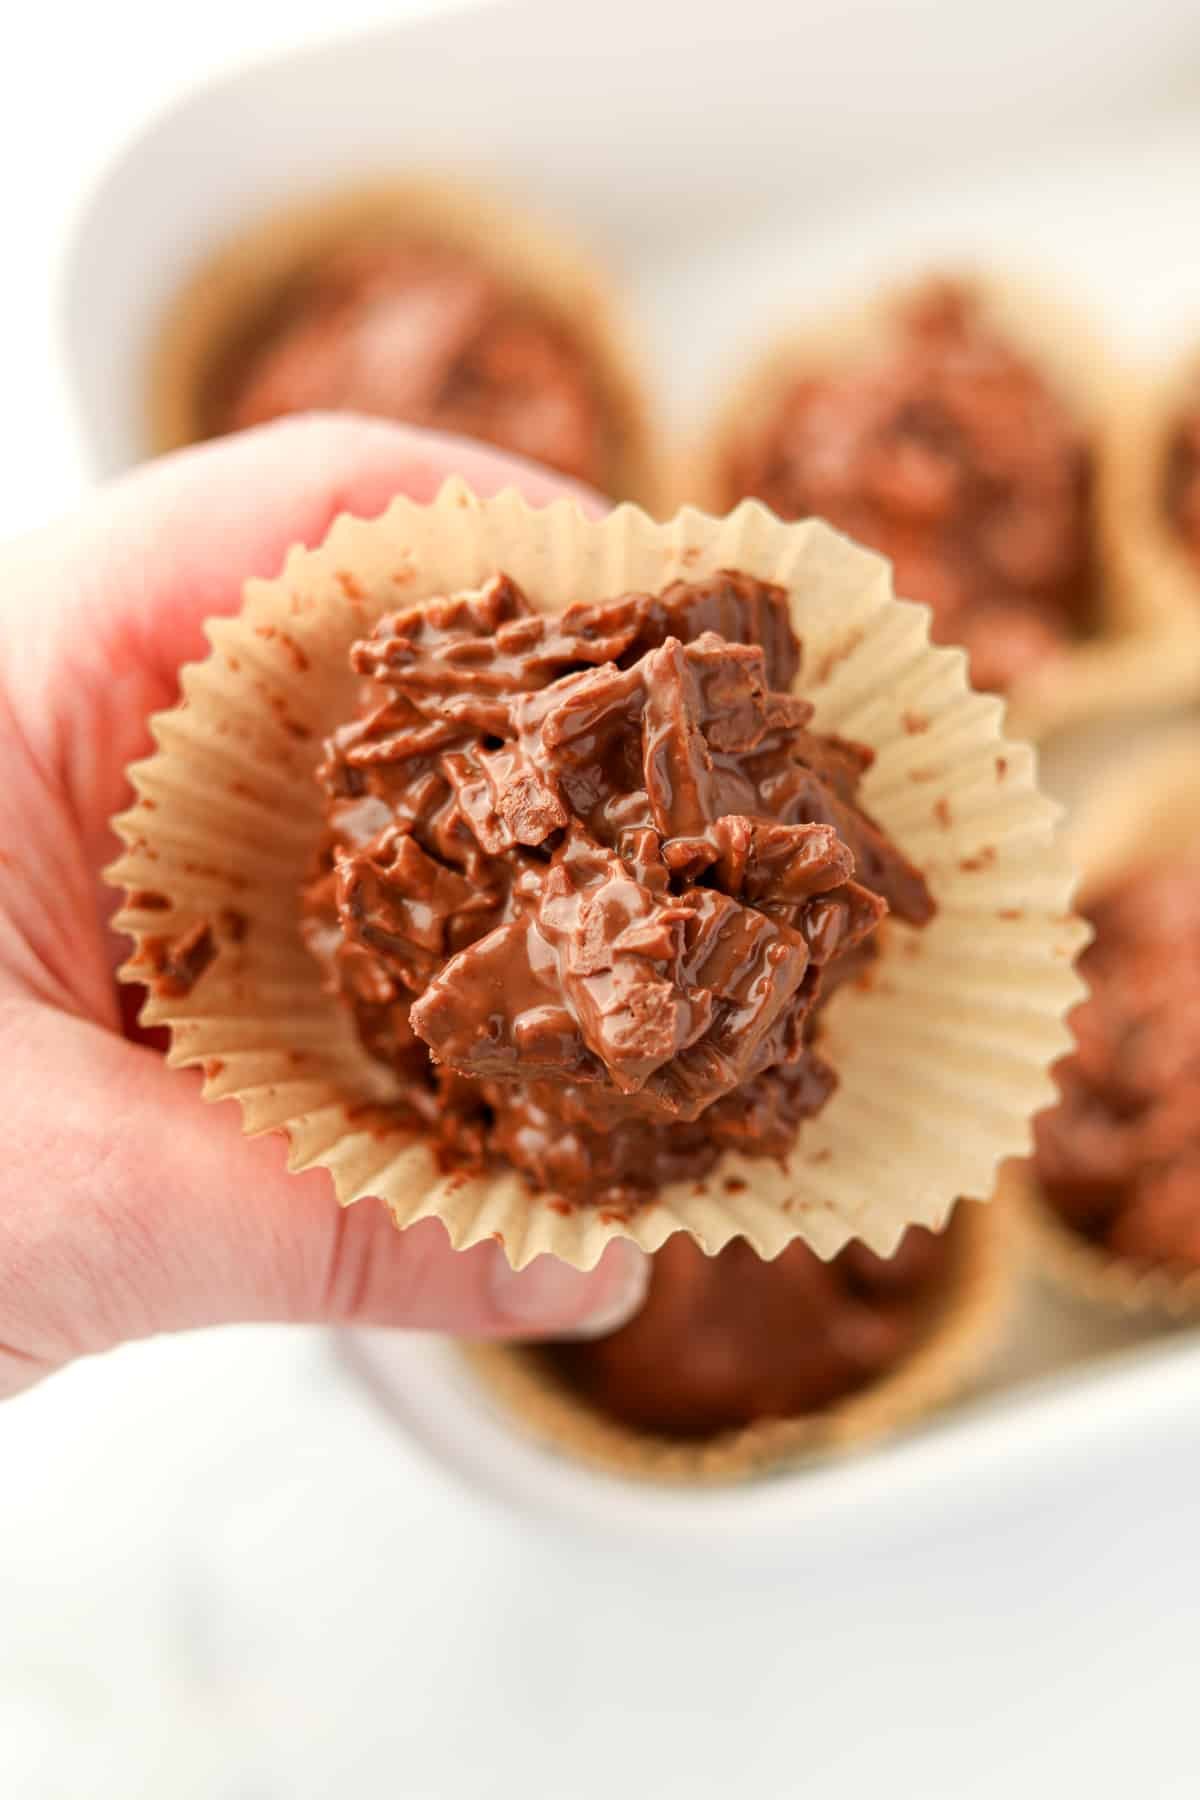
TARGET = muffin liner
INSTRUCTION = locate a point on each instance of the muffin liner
(1154, 576)
(1145, 653)
(218, 306)
(1153, 796)
(965, 1322)
(943, 1048)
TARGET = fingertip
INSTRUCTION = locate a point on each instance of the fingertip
(549, 1298)
(295, 474)
(377, 459)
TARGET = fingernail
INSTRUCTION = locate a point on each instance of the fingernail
(548, 1297)
(626, 1271)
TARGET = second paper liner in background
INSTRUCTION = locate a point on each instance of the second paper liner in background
(1139, 810)
(964, 1321)
(942, 1055)
(1148, 553)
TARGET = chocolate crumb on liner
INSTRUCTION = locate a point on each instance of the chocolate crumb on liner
(962, 1318)
(1143, 813)
(1138, 652)
(941, 1049)
(232, 299)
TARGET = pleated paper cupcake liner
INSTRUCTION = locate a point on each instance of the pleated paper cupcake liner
(964, 1323)
(942, 1055)
(222, 303)
(1156, 576)
(1145, 653)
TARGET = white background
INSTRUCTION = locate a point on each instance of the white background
(221, 1576)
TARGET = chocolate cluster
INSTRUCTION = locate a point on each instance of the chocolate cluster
(589, 876)
(1120, 1155)
(950, 453)
(428, 336)
(723, 1341)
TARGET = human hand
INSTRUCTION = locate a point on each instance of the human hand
(126, 1206)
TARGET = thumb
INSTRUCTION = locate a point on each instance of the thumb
(126, 1209)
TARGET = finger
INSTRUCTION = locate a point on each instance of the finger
(114, 603)
(109, 617)
(181, 535)
(127, 1209)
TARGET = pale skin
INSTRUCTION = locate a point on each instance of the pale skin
(128, 1207)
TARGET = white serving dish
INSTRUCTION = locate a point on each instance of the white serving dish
(733, 163)
(742, 194)
(1064, 1385)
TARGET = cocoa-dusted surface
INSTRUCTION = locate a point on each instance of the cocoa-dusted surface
(428, 336)
(1183, 479)
(950, 454)
(1119, 1157)
(588, 876)
(723, 1341)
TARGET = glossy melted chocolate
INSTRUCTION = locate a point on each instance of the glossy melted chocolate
(588, 876)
